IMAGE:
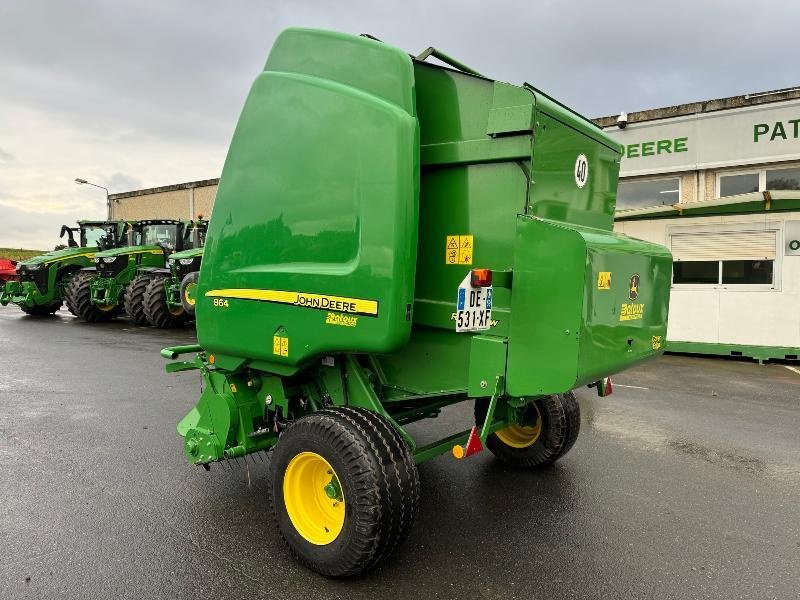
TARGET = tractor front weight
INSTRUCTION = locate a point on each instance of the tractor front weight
(106, 291)
(17, 292)
(172, 290)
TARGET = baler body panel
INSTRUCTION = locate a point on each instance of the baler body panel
(587, 303)
(312, 245)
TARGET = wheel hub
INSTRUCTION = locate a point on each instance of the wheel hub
(313, 498)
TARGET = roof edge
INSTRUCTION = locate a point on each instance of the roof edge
(704, 106)
(165, 188)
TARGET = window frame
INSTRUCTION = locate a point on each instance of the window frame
(760, 171)
(646, 180)
(777, 263)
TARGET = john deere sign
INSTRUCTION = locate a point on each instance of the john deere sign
(743, 136)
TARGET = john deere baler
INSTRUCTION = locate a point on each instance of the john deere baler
(391, 237)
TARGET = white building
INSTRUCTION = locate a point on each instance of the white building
(718, 183)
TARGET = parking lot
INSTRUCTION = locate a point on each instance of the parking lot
(683, 484)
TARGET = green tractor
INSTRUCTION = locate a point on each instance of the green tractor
(43, 279)
(119, 277)
(391, 237)
(169, 298)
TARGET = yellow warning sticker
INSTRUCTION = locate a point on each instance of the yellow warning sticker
(604, 280)
(343, 320)
(280, 345)
(657, 342)
(631, 312)
(458, 250)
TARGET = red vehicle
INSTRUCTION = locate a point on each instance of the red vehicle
(8, 270)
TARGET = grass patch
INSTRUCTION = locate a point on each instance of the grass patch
(19, 253)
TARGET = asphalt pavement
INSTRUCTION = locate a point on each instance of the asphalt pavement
(685, 483)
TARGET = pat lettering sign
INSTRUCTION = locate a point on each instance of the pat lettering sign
(473, 307)
(742, 136)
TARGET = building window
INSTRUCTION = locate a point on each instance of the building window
(738, 272)
(696, 271)
(731, 185)
(737, 258)
(758, 181)
(651, 192)
(783, 179)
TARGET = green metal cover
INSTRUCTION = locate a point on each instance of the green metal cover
(586, 303)
(312, 244)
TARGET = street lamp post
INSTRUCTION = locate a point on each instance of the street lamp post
(80, 181)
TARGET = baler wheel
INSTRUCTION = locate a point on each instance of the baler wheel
(156, 310)
(79, 299)
(550, 431)
(42, 309)
(345, 490)
(134, 298)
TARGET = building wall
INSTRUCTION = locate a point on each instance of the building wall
(204, 200)
(705, 139)
(731, 314)
(180, 201)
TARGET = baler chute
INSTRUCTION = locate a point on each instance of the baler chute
(391, 237)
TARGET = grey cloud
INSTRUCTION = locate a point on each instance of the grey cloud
(6, 157)
(120, 182)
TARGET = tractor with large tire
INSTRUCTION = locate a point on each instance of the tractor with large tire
(117, 281)
(391, 237)
(41, 282)
(169, 297)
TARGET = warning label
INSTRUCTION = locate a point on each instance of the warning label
(604, 280)
(280, 345)
(458, 250)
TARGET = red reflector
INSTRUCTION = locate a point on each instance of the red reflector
(481, 277)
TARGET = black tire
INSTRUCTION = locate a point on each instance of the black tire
(134, 298)
(42, 309)
(379, 484)
(559, 420)
(188, 304)
(572, 415)
(156, 310)
(79, 299)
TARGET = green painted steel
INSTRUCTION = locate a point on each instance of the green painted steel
(329, 278)
(759, 353)
(43, 278)
(563, 309)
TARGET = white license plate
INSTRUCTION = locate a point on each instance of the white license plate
(473, 307)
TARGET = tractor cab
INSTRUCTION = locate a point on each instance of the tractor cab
(167, 234)
(102, 235)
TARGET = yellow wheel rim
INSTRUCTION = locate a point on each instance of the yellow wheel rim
(106, 307)
(188, 293)
(313, 498)
(522, 436)
(175, 311)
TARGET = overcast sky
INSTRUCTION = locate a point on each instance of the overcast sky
(132, 94)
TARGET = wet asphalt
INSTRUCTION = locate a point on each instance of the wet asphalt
(685, 483)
